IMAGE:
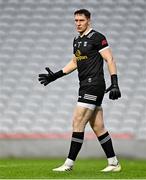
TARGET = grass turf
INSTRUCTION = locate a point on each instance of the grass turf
(84, 169)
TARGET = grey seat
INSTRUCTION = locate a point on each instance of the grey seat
(34, 35)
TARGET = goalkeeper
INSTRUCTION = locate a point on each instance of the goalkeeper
(90, 49)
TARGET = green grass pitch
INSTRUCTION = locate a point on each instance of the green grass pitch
(83, 169)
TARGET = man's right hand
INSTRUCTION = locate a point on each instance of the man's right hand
(45, 79)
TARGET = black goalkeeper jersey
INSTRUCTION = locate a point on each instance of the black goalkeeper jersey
(89, 60)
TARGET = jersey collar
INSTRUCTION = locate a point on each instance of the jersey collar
(86, 32)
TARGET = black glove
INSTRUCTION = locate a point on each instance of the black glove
(45, 79)
(114, 88)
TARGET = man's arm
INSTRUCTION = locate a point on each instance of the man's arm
(71, 66)
(108, 57)
(114, 88)
(45, 79)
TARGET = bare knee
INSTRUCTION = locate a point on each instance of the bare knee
(98, 129)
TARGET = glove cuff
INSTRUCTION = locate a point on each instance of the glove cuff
(59, 74)
(114, 79)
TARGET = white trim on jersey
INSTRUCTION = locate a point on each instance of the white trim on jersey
(88, 31)
(103, 48)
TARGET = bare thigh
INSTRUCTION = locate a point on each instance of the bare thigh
(81, 117)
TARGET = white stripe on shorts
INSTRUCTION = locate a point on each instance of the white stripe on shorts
(90, 97)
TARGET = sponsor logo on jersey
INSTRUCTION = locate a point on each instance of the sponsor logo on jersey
(79, 56)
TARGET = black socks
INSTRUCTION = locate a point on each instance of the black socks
(106, 143)
(76, 144)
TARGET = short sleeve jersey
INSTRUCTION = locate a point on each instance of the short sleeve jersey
(89, 61)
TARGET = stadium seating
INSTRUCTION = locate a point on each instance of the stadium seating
(38, 33)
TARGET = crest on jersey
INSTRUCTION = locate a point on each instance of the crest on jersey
(85, 43)
(79, 43)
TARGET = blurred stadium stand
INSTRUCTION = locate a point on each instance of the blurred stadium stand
(39, 33)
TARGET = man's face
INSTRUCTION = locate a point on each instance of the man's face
(81, 22)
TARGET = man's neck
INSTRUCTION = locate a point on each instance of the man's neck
(86, 32)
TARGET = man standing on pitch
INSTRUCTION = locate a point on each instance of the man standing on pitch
(90, 49)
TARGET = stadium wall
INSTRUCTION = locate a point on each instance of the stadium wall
(22, 148)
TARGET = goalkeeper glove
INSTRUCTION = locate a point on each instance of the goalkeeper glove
(45, 79)
(114, 88)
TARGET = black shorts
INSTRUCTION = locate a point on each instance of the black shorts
(92, 94)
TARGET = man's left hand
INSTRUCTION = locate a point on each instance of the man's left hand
(114, 92)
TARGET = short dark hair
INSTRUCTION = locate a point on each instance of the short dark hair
(83, 11)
